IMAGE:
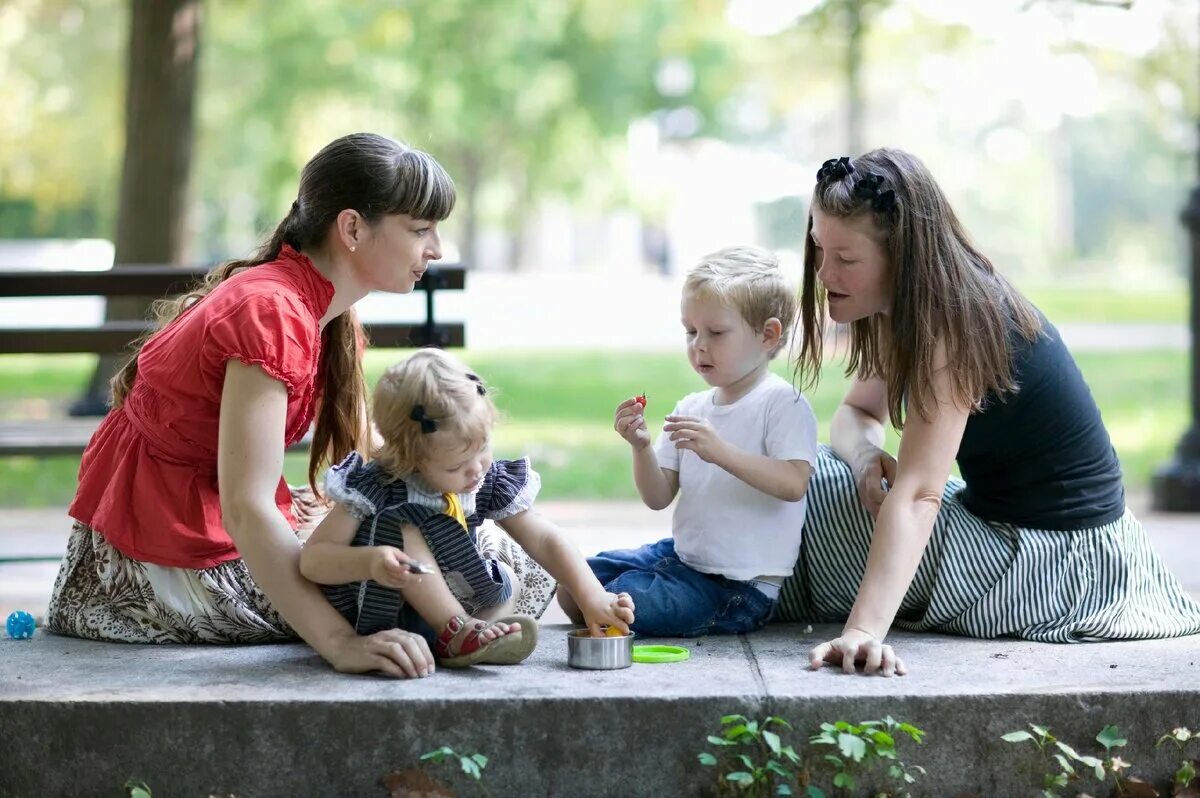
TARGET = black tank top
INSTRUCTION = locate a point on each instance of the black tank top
(1042, 457)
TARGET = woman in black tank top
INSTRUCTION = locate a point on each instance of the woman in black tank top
(1035, 540)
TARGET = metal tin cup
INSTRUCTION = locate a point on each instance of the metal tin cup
(598, 653)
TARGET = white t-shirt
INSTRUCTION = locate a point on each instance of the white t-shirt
(722, 525)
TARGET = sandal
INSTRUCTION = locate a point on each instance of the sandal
(472, 649)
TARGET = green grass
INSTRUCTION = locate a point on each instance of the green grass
(1096, 305)
(558, 409)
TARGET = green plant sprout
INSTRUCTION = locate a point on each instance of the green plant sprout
(470, 764)
(864, 747)
(1067, 758)
(1187, 769)
(754, 760)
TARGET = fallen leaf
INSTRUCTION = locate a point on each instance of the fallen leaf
(1136, 788)
(415, 783)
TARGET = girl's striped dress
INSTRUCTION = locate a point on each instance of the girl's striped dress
(482, 567)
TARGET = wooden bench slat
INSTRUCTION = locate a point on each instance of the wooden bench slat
(115, 336)
(156, 281)
(70, 436)
(65, 437)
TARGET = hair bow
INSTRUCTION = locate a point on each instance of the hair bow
(869, 188)
(478, 383)
(835, 169)
(428, 425)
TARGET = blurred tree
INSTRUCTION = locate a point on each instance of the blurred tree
(60, 130)
(849, 20)
(164, 42)
(518, 99)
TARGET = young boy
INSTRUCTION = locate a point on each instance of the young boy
(739, 454)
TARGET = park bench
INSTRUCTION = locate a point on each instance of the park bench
(69, 436)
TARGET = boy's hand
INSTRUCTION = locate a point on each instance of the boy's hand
(696, 434)
(389, 567)
(607, 609)
(630, 423)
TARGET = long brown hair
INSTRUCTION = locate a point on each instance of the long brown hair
(943, 291)
(375, 176)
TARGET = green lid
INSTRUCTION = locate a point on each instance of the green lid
(659, 654)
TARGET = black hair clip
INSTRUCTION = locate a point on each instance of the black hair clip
(835, 169)
(428, 425)
(478, 383)
(868, 188)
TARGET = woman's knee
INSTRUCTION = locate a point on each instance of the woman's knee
(506, 607)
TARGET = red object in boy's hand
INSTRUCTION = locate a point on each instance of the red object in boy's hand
(640, 399)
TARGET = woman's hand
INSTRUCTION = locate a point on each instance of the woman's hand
(607, 609)
(874, 476)
(394, 652)
(389, 567)
(630, 422)
(856, 646)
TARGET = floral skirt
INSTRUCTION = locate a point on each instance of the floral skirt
(101, 594)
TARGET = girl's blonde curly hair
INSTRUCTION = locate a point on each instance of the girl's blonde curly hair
(426, 402)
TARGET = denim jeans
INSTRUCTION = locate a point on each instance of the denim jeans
(673, 600)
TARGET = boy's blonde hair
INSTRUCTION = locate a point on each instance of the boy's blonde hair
(430, 390)
(749, 280)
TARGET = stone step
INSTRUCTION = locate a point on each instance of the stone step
(81, 718)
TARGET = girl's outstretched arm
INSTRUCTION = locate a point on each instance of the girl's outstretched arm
(546, 543)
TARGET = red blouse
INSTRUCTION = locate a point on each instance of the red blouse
(148, 479)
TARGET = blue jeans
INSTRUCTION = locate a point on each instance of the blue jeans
(673, 600)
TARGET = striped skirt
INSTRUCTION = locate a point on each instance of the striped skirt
(985, 580)
(101, 594)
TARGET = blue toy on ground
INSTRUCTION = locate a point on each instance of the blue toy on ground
(20, 625)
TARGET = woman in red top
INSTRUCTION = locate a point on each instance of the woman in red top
(182, 514)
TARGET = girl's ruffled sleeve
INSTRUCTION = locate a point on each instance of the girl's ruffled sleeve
(352, 484)
(514, 487)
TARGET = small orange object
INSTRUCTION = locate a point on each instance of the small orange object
(640, 399)
(612, 631)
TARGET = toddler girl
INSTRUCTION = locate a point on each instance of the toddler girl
(420, 500)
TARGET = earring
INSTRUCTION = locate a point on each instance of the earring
(353, 248)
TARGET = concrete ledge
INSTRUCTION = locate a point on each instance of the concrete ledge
(80, 718)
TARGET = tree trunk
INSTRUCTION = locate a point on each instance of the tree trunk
(469, 192)
(855, 32)
(159, 106)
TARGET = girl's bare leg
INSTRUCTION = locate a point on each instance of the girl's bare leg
(430, 596)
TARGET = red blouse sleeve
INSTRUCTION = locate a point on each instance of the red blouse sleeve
(274, 331)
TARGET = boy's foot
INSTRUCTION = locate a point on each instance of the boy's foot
(469, 641)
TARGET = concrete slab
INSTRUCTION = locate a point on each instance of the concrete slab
(273, 720)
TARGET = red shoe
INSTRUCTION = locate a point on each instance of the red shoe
(461, 645)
